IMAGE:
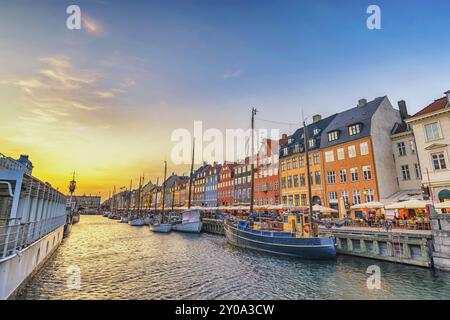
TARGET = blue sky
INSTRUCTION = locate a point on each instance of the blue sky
(160, 65)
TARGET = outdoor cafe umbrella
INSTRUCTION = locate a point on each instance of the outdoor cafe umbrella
(323, 209)
(368, 205)
(443, 205)
(409, 204)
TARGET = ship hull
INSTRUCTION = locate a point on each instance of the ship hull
(192, 227)
(161, 228)
(15, 270)
(309, 248)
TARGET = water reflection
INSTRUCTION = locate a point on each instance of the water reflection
(118, 261)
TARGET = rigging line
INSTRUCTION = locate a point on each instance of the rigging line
(278, 122)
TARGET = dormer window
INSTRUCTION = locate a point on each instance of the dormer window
(354, 129)
(296, 148)
(311, 143)
(289, 140)
(316, 131)
(333, 135)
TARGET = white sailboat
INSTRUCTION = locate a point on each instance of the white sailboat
(190, 222)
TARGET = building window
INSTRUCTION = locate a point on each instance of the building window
(316, 131)
(303, 199)
(311, 143)
(302, 180)
(294, 163)
(316, 158)
(283, 182)
(333, 135)
(296, 148)
(368, 195)
(333, 196)
(284, 200)
(295, 180)
(340, 154)
(297, 200)
(343, 175)
(331, 177)
(405, 172)
(417, 170)
(356, 197)
(285, 151)
(354, 129)
(364, 147)
(412, 145)
(401, 149)
(438, 161)
(300, 162)
(329, 156)
(288, 164)
(317, 175)
(289, 181)
(354, 174)
(351, 151)
(432, 131)
(344, 196)
(282, 165)
(367, 173)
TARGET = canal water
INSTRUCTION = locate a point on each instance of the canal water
(117, 261)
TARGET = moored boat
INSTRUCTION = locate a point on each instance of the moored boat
(240, 234)
(136, 222)
(190, 222)
(161, 227)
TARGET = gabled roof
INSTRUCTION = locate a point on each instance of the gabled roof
(298, 138)
(432, 107)
(362, 115)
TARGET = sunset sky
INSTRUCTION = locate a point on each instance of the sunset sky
(104, 100)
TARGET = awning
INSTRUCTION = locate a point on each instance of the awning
(323, 209)
(443, 205)
(368, 205)
(409, 204)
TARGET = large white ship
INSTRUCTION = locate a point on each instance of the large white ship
(32, 219)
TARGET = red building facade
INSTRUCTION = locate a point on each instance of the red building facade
(225, 185)
(267, 188)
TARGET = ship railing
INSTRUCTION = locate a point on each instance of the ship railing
(16, 235)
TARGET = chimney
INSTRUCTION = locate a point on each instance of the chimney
(362, 102)
(317, 118)
(284, 136)
(448, 97)
(403, 109)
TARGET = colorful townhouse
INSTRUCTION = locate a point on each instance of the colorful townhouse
(357, 152)
(212, 179)
(199, 185)
(409, 176)
(431, 127)
(293, 171)
(266, 188)
(242, 183)
(180, 193)
(225, 193)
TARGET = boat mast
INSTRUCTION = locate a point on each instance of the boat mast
(164, 190)
(254, 111)
(156, 194)
(309, 177)
(192, 173)
(139, 198)
(173, 195)
(129, 197)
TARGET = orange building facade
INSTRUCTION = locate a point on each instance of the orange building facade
(350, 174)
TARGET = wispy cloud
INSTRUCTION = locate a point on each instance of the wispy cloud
(92, 26)
(232, 74)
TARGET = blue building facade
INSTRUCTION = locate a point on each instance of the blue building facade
(211, 183)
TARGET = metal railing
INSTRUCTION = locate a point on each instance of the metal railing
(15, 235)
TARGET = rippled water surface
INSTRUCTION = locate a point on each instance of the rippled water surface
(118, 261)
